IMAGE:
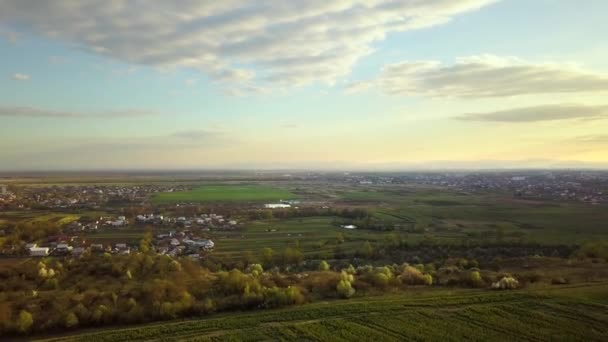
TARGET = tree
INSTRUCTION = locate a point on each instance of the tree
(367, 250)
(71, 320)
(340, 238)
(25, 321)
(292, 256)
(267, 256)
(476, 278)
(344, 287)
(255, 269)
(145, 245)
(323, 266)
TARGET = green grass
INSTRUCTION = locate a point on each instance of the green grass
(574, 313)
(226, 193)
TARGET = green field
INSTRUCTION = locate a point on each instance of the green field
(314, 235)
(226, 193)
(448, 213)
(574, 313)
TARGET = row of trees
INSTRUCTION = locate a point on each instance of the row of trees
(56, 294)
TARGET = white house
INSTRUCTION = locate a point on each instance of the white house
(39, 251)
(277, 206)
(349, 226)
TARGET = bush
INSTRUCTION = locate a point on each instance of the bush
(344, 287)
(506, 283)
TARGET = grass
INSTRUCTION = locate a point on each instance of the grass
(573, 313)
(226, 193)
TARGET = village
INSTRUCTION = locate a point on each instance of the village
(174, 236)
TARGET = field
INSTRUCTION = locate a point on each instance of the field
(226, 193)
(313, 234)
(455, 215)
(569, 313)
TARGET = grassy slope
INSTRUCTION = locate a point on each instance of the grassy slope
(226, 193)
(559, 313)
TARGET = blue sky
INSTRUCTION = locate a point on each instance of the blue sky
(379, 84)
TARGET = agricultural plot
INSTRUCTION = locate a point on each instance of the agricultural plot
(576, 313)
(456, 215)
(313, 235)
(226, 193)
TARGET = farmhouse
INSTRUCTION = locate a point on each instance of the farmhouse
(349, 226)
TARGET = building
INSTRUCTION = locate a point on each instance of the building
(63, 248)
(277, 206)
(39, 251)
(349, 226)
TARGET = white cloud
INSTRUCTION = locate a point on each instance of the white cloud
(541, 113)
(36, 112)
(283, 43)
(21, 77)
(487, 76)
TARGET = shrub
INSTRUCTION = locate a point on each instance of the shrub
(506, 283)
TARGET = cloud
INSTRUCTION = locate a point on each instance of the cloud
(358, 86)
(21, 77)
(281, 43)
(196, 134)
(487, 76)
(289, 125)
(593, 139)
(9, 35)
(540, 113)
(36, 112)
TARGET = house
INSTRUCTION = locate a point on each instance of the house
(118, 223)
(78, 251)
(205, 244)
(277, 206)
(349, 226)
(63, 248)
(175, 242)
(39, 251)
(97, 247)
(122, 248)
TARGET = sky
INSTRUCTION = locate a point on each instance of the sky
(306, 84)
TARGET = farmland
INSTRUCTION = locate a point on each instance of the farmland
(420, 261)
(226, 193)
(562, 313)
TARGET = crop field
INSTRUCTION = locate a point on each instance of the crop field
(569, 313)
(226, 193)
(455, 214)
(313, 235)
